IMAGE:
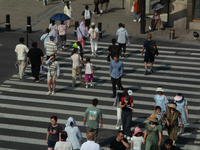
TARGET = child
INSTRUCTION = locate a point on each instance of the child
(159, 115)
(137, 139)
(88, 72)
(53, 73)
(182, 108)
(161, 100)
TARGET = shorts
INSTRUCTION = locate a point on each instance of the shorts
(102, 1)
(87, 77)
(51, 143)
(149, 57)
(53, 75)
(87, 23)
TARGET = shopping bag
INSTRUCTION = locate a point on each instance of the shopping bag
(42, 69)
(132, 8)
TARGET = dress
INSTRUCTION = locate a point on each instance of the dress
(181, 108)
(173, 120)
(161, 101)
(53, 29)
(153, 138)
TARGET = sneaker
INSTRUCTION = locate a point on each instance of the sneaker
(53, 93)
(91, 85)
(101, 11)
(146, 72)
(98, 14)
(128, 138)
(86, 86)
(149, 28)
(182, 131)
(93, 12)
(139, 20)
(151, 71)
(106, 11)
(134, 20)
(49, 93)
(159, 29)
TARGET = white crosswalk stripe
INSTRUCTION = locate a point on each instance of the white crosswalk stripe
(26, 101)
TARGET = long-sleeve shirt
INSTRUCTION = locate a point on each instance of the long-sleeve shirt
(49, 63)
(116, 68)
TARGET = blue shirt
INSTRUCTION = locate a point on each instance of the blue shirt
(116, 68)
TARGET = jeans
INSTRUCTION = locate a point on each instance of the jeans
(114, 82)
(126, 122)
(136, 16)
(97, 8)
(123, 46)
(62, 40)
(35, 71)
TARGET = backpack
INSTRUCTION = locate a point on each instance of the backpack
(93, 34)
(87, 14)
(153, 48)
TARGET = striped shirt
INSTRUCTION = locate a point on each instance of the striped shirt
(50, 47)
(53, 66)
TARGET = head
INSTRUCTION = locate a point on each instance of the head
(86, 7)
(88, 60)
(120, 25)
(116, 58)
(52, 22)
(114, 41)
(139, 134)
(172, 107)
(64, 135)
(168, 144)
(153, 123)
(53, 57)
(157, 109)
(62, 22)
(149, 36)
(95, 102)
(21, 40)
(52, 38)
(159, 90)
(67, 4)
(120, 135)
(90, 136)
(34, 44)
(53, 120)
(47, 30)
(93, 25)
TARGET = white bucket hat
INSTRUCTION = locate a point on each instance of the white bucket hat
(159, 89)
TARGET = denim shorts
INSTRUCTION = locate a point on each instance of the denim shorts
(51, 143)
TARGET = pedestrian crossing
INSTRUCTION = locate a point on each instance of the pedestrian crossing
(26, 109)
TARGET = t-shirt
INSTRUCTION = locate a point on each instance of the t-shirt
(83, 14)
(63, 145)
(96, 30)
(137, 142)
(45, 38)
(76, 60)
(50, 47)
(35, 55)
(90, 145)
(161, 101)
(88, 69)
(147, 47)
(21, 51)
(93, 115)
(129, 104)
(115, 145)
(114, 49)
(62, 29)
(54, 132)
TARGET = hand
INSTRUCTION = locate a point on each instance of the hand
(93, 74)
(159, 143)
(167, 123)
(142, 53)
(182, 125)
(110, 74)
(143, 141)
(57, 76)
(84, 123)
(157, 54)
(101, 126)
(47, 141)
(120, 75)
(52, 57)
(42, 63)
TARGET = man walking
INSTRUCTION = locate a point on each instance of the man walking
(148, 55)
(93, 116)
(45, 38)
(87, 16)
(119, 143)
(35, 57)
(114, 49)
(90, 144)
(116, 72)
(122, 37)
(51, 48)
(21, 51)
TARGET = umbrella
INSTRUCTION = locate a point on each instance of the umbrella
(60, 17)
(158, 5)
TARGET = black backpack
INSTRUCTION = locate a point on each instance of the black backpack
(153, 48)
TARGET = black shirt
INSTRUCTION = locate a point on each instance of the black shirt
(115, 145)
(129, 103)
(54, 132)
(35, 55)
(114, 49)
(173, 147)
(147, 47)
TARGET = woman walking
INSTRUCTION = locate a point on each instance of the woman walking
(81, 34)
(74, 134)
(53, 133)
(62, 34)
(171, 117)
(136, 6)
(152, 134)
(53, 31)
(89, 72)
(126, 104)
(94, 38)
(96, 9)
(156, 22)
(182, 108)
(69, 12)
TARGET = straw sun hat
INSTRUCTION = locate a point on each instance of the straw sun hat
(152, 118)
(172, 106)
(159, 89)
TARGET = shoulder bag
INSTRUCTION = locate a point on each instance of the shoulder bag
(84, 38)
(150, 132)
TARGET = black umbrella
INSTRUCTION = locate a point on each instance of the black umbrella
(158, 5)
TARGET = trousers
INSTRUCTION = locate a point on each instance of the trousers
(35, 71)
(96, 9)
(62, 40)
(126, 122)
(94, 44)
(22, 65)
(95, 132)
(74, 72)
(114, 82)
(123, 46)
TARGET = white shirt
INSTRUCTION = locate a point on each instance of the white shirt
(21, 51)
(96, 30)
(88, 69)
(63, 145)
(68, 11)
(90, 145)
(76, 60)
(137, 142)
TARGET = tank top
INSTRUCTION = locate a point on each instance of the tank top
(88, 69)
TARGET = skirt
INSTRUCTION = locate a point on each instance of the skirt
(156, 24)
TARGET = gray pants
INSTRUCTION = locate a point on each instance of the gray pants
(62, 40)
(95, 131)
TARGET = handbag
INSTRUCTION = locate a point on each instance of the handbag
(84, 38)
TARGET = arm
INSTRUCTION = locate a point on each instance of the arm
(125, 144)
(131, 145)
(47, 137)
(142, 50)
(101, 122)
(84, 121)
(110, 68)
(58, 69)
(181, 122)
(155, 105)
(132, 105)
(186, 110)
(121, 70)
(121, 106)
(160, 138)
(81, 18)
(17, 55)
(145, 135)
(92, 70)
(99, 37)
(55, 52)
(48, 61)
(166, 105)
(28, 60)
(59, 136)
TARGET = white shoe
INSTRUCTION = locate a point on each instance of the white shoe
(86, 86)
(101, 11)
(91, 85)
(134, 20)
(53, 93)
(49, 93)
(149, 28)
(93, 12)
(139, 20)
(128, 138)
(99, 15)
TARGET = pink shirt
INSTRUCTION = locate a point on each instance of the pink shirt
(62, 29)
